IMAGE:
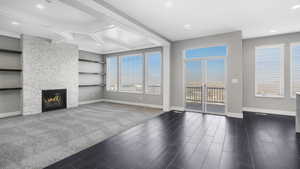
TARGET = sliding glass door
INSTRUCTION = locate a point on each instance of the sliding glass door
(205, 80)
(215, 86)
(194, 85)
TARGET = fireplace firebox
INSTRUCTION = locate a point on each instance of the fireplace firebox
(54, 99)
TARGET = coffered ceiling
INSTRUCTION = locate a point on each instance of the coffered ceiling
(83, 22)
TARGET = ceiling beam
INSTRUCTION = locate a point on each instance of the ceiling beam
(100, 8)
(124, 17)
(102, 40)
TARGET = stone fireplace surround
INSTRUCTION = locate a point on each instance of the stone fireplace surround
(47, 66)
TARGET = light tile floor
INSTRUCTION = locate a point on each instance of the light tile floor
(34, 142)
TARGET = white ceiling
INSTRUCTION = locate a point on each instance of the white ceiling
(255, 18)
(71, 21)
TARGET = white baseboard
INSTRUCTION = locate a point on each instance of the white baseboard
(178, 108)
(235, 115)
(269, 111)
(91, 101)
(10, 114)
(134, 103)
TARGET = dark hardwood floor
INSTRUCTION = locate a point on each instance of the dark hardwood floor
(196, 141)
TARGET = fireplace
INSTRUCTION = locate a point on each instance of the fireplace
(54, 99)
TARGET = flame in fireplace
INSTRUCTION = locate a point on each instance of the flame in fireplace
(53, 99)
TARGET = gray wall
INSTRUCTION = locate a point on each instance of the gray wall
(131, 97)
(10, 100)
(287, 103)
(90, 93)
(47, 65)
(234, 68)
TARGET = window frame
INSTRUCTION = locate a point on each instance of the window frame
(282, 57)
(107, 74)
(147, 71)
(293, 96)
(120, 71)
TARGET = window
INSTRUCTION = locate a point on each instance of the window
(131, 73)
(153, 73)
(112, 73)
(295, 69)
(206, 52)
(269, 71)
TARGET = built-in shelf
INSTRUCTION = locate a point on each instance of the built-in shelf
(11, 70)
(6, 89)
(89, 73)
(92, 61)
(10, 51)
(102, 85)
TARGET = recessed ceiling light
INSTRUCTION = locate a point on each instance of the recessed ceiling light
(40, 6)
(168, 4)
(187, 27)
(15, 23)
(295, 7)
(273, 31)
(111, 26)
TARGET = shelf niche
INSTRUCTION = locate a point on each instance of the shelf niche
(7, 89)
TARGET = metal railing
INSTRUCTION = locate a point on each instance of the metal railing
(196, 94)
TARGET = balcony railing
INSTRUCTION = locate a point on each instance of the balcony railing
(196, 95)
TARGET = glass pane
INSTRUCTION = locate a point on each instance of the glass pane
(153, 73)
(268, 71)
(112, 74)
(131, 73)
(215, 86)
(194, 89)
(206, 52)
(296, 69)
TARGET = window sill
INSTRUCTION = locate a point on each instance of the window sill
(130, 92)
(153, 94)
(274, 97)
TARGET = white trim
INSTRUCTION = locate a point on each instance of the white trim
(292, 66)
(179, 108)
(270, 96)
(282, 57)
(269, 111)
(166, 77)
(90, 102)
(10, 114)
(133, 103)
(235, 115)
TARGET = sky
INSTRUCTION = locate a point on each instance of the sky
(215, 67)
(206, 52)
